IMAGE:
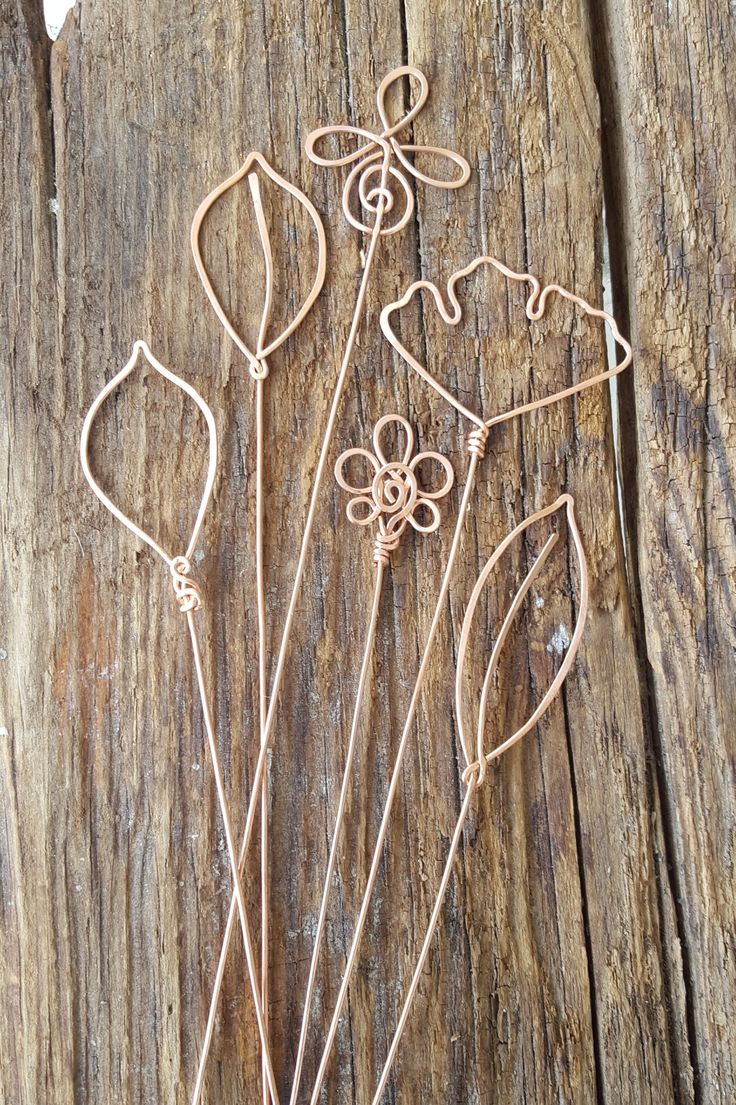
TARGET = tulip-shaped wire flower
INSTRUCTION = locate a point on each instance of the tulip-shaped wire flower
(477, 757)
(188, 597)
(393, 498)
(258, 366)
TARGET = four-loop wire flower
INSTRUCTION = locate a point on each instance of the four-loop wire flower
(374, 160)
(394, 497)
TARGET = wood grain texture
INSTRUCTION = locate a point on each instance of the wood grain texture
(585, 952)
(674, 233)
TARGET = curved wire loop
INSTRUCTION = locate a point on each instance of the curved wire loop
(257, 359)
(476, 757)
(180, 566)
(375, 155)
(451, 312)
(394, 495)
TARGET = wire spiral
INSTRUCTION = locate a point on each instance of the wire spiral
(393, 497)
(187, 592)
(378, 182)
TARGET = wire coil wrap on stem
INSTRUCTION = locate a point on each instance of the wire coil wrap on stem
(187, 591)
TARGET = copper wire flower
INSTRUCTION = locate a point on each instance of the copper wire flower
(394, 497)
(374, 159)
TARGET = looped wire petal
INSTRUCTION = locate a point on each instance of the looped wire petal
(379, 431)
(424, 504)
(395, 497)
(422, 458)
(368, 186)
(365, 519)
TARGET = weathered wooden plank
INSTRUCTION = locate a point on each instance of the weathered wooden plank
(36, 1047)
(553, 977)
(670, 125)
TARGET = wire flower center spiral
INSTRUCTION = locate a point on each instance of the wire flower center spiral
(394, 496)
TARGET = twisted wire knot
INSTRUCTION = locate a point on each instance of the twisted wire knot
(477, 441)
(258, 369)
(385, 543)
(478, 769)
(187, 592)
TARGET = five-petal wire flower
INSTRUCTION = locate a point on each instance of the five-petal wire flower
(394, 496)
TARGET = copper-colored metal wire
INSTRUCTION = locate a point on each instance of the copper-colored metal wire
(394, 783)
(188, 598)
(374, 156)
(258, 367)
(378, 200)
(451, 312)
(476, 766)
(535, 307)
(392, 498)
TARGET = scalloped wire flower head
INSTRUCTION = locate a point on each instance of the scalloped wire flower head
(477, 759)
(394, 496)
(536, 305)
(188, 597)
(374, 159)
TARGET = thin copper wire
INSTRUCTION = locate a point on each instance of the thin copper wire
(189, 598)
(475, 772)
(451, 312)
(380, 199)
(392, 498)
(374, 157)
(258, 367)
(535, 307)
(394, 783)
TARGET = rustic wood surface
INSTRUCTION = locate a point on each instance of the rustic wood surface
(586, 949)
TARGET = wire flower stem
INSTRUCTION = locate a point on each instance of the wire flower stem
(232, 854)
(258, 368)
(392, 497)
(339, 817)
(473, 777)
(262, 710)
(373, 158)
(267, 731)
(395, 776)
(189, 599)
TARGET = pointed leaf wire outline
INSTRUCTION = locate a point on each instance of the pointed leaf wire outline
(482, 758)
(262, 351)
(141, 347)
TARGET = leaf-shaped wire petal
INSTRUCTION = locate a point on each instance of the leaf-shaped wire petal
(478, 759)
(174, 562)
(451, 312)
(264, 348)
